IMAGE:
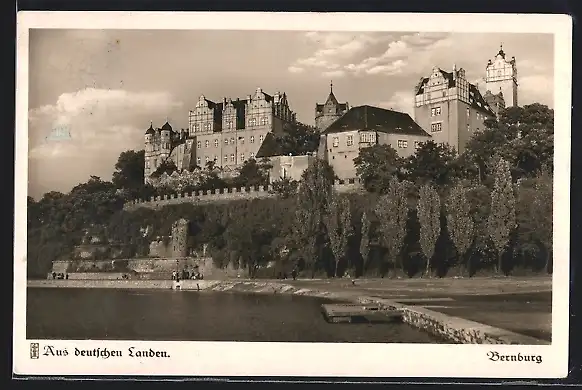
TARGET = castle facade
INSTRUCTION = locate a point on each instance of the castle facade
(451, 109)
(330, 111)
(226, 133)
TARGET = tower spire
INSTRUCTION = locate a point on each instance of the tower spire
(331, 86)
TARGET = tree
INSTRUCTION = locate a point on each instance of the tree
(431, 162)
(392, 213)
(298, 139)
(285, 187)
(460, 224)
(312, 203)
(376, 166)
(535, 212)
(502, 220)
(167, 166)
(365, 239)
(338, 221)
(253, 173)
(129, 170)
(429, 213)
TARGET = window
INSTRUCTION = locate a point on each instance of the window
(229, 124)
(436, 127)
(350, 140)
(206, 159)
(253, 122)
(252, 155)
(468, 127)
(402, 143)
(261, 138)
(242, 157)
(367, 137)
(232, 157)
(263, 121)
(207, 126)
(198, 161)
(252, 139)
(216, 143)
(198, 144)
(226, 141)
(196, 127)
(215, 158)
(416, 144)
(242, 140)
(335, 142)
(226, 158)
(435, 111)
(206, 143)
(468, 112)
(232, 141)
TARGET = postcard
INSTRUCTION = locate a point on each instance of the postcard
(292, 194)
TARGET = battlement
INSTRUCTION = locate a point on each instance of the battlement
(227, 195)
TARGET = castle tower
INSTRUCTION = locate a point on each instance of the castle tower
(149, 149)
(330, 111)
(180, 238)
(165, 140)
(501, 76)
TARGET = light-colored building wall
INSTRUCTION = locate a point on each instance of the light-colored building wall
(290, 167)
(404, 144)
(501, 76)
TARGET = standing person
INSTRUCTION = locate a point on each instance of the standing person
(294, 273)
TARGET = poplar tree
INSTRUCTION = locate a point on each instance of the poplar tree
(313, 198)
(429, 212)
(460, 225)
(392, 212)
(338, 222)
(501, 221)
(365, 239)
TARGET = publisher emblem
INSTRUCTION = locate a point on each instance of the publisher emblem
(34, 350)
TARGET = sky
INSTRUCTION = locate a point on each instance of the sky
(105, 86)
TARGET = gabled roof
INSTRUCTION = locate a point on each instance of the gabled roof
(376, 119)
(331, 99)
(270, 147)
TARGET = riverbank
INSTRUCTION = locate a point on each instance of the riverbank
(387, 293)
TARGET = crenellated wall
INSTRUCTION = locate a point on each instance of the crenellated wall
(228, 194)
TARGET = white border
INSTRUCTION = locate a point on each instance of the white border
(307, 359)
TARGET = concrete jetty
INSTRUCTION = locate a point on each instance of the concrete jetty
(349, 312)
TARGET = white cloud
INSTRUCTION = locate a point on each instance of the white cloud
(97, 119)
(402, 101)
(295, 69)
(334, 73)
(388, 69)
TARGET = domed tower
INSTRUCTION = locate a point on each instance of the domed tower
(165, 140)
(149, 149)
(180, 238)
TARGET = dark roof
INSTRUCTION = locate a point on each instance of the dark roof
(167, 126)
(150, 130)
(376, 119)
(270, 147)
(475, 98)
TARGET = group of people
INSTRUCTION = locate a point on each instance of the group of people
(60, 275)
(185, 274)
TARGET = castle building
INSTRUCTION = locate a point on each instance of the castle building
(501, 78)
(227, 133)
(450, 108)
(365, 126)
(330, 111)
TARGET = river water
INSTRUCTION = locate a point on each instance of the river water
(111, 314)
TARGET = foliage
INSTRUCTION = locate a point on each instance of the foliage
(285, 187)
(338, 222)
(431, 162)
(129, 170)
(460, 225)
(502, 220)
(365, 238)
(253, 173)
(376, 166)
(429, 213)
(298, 139)
(312, 203)
(392, 213)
